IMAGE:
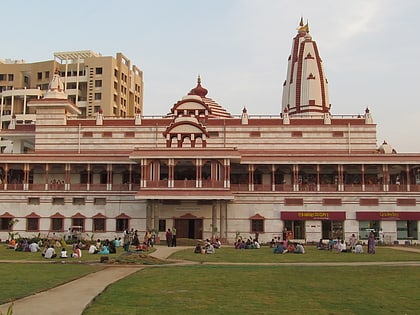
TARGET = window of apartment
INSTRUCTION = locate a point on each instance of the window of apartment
(33, 201)
(26, 80)
(32, 224)
(121, 224)
(98, 225)
(78, 201)
(78, 221)
(257, 223)
(98, 70)
(58, 201)
(2, 77)
(116, 73)
(71, 85)
(5, 223)
(406, 230)
(98, 83)
(162, 225)
(98, 96)
(99, 201)
(57, 224)
(115, 85)
(47, 74)
(39, 75)
(11, 77)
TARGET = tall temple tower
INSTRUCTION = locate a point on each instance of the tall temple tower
(305, 90)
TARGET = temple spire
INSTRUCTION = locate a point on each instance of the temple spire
(305, 90)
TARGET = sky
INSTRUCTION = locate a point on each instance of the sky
(370, 50)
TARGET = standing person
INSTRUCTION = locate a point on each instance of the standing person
(371, 243)
(352, 242)
(169, 237)
(381, 237)
(126, 241)
(173, 236)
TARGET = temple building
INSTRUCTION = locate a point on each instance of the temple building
(208, 172)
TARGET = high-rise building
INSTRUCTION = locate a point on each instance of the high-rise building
(91, 81)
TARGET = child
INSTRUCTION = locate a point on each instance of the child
(63, 253)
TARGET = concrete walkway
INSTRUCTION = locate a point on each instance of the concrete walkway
(82, 291)
(79, 293)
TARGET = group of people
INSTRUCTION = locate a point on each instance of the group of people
(171, 237)
(284, 247)
(209, 246)
(340, 246)
(249, 243)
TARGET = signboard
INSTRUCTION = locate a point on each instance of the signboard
(387, 215)
(313, 215)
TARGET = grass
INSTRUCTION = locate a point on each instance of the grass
(233, 289)
(20, 280)
(265, 255)
(228, 288)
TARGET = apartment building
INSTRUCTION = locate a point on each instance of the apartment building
(91, 82)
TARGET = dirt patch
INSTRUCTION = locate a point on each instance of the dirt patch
(136, 258)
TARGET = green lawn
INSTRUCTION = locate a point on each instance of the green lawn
(265, 255)
(233, 289)
(23, 279)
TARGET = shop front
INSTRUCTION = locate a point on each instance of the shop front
(392, 226)
(312, 226)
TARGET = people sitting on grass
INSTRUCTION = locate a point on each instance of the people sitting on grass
(209, 248)
(12, 244)
(92, 249)
(299, 249)
(280, 249)
(63, 253)
(358, 249)
(216, 243)
(34, 247)
(197, 249)
(321, 245)
(250, 243)
(77, 253)
(50, 253)
(104, 250)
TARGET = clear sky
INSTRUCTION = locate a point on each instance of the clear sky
(370, 50)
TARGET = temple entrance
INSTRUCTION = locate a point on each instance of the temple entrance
(189, 227)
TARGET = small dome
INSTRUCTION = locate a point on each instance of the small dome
(385, 148)
(199, 90)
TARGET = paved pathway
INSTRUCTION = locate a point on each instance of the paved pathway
(82, 290)
(85, 289)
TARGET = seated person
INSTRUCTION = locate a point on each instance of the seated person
(291, 247)
(279, 249)
(34, 247)
(77, 253)
(217, 243)
(63, 253)
(50, 253)
(210, 249)
(104, 250)
(299, 249)
(343, 247)
(93, 249)
(272, 243)
(111, 247)
(197, 249)
(12, 244)
(321, 245)
(358, 249)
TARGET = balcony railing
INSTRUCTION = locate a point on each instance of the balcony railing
(209, 184)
